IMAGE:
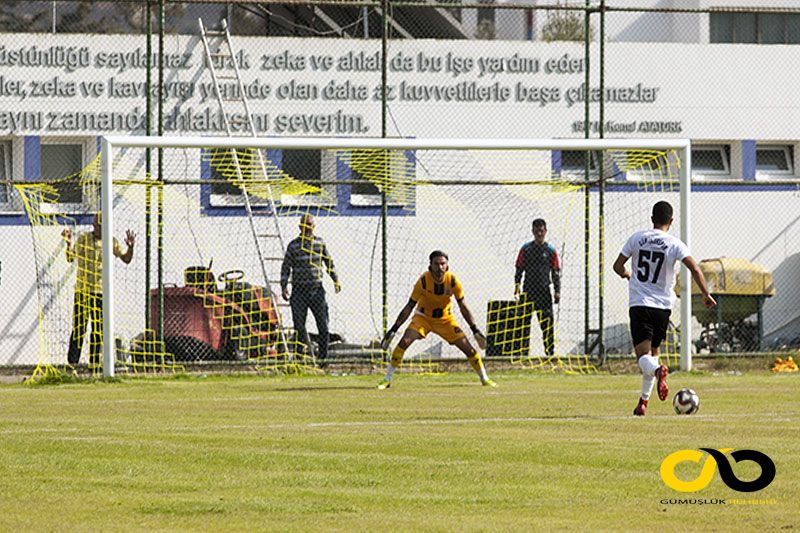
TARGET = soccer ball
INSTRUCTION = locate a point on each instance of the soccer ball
(686, 402)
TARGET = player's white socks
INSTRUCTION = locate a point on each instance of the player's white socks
(389, 372)
(648, 364)
(482, 374)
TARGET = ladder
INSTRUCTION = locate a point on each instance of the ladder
(226, 55)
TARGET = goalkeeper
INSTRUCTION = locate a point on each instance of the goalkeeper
(434, 313)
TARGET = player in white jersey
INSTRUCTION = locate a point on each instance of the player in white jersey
(654, 253)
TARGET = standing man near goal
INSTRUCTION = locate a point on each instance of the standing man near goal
(434, 313)
(89, 288)
(651, 294)
(305, 257)
(538, 261)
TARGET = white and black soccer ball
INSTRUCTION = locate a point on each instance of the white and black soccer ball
(686, 402)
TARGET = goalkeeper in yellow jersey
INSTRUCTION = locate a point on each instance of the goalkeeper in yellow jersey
(434, 313)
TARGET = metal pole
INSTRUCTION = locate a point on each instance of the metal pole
(601, 348)
(160, 214)
(686, 235)
(106, 198)
(384, 206)
(587, 191)
(148, 166)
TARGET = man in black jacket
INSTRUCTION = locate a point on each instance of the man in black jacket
(538, 261)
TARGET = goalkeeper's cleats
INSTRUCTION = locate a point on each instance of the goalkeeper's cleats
(663, 390)
(489, 383)
(384, 384)
(640, 409)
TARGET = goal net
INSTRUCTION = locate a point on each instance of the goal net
(211, 219)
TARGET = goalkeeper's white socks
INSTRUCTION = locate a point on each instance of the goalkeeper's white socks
(389, 372)
(648, 364)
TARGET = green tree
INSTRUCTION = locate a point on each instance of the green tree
(565, 25)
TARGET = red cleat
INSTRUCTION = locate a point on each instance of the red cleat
(663, 390)
(639, 411)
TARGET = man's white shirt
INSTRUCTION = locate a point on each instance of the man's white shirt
(653, 254)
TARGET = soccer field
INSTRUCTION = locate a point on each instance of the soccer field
(432, 453)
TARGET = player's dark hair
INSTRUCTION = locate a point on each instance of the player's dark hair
(539, 223)
(662, 213)
(437, 253)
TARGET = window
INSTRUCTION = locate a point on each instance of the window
(65, 162)
(711, 160)
(752, 27)
(573, 164)
(291, 20)
(774, 161)
(370, 167)
(574, 160)
(486, 29)
(223, 167)
(652, 166)
(310, 167)
(366, 192)
(289, 170)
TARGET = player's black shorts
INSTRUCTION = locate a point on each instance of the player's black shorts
(649, 323)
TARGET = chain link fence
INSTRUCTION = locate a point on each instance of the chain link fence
(74, 71)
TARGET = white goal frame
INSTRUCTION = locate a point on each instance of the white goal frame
(110, 143)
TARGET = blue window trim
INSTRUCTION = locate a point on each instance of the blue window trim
(343, 192)
(32, 145)
(555, 162)
(749, 160)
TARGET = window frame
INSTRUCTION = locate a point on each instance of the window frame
(575, 172)
(723, 25)
(643, 172)
(373, 200)
(69, 208)
(724, 151)
(788, 154)
(327, 198)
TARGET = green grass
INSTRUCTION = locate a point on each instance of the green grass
(432, 453)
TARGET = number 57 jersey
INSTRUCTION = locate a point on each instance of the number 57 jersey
(653, 254)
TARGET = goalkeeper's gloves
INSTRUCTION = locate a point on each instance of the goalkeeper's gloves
(480, 338)
(387, 338)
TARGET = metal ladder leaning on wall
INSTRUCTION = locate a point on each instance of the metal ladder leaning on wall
(226, 54)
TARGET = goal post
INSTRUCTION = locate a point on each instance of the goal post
(474, 185)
